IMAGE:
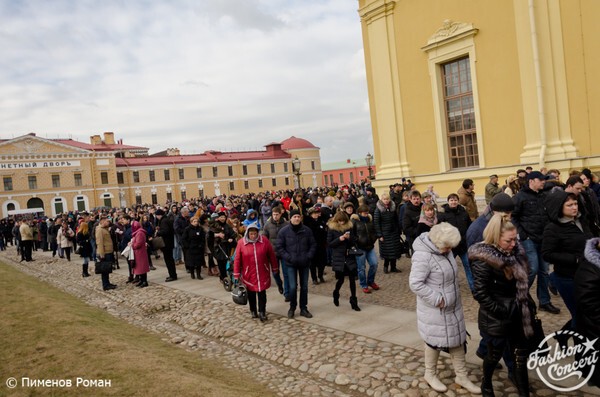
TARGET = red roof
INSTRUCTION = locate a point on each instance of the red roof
(206, 157)
(296, 143)
(99, 148)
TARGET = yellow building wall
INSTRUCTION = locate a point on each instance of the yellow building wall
(395, 36)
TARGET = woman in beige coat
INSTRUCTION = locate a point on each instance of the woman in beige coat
(64, 238)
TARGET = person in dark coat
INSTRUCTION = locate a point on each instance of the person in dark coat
(530, 218)
(296, 246)
(412, 214)
(319, 230)
(563, 245)
(388, 233)
(506, 310)
(456, 215)
(222, 239)
(371, 199)
(193, 241)
(365, 240)
(85, 251)
(341, 237)
(587, 299)
(165, 230)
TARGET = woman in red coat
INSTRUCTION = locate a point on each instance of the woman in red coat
(254, 261)
(140, 253)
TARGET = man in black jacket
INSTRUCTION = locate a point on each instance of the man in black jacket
(412, 212)
(296, 246)
(530, 218)
(165, 230)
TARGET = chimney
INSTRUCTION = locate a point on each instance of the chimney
(173, 152)
(348, 161)
(109, 138)
(96, 140)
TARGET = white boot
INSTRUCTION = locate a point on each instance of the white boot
(431, 359)
(460, 368)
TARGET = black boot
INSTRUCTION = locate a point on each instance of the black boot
(262, 316)
(354, 303)
(521, 375)
(192, 273)
(84, 272)
(129, 280)
(385, 268)
(336, 297)
(254, 314)
(489, 365)
(198, 275)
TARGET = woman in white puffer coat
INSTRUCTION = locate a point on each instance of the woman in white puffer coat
(440, 317)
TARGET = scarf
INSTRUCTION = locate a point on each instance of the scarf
(428, 221)
(514, 265)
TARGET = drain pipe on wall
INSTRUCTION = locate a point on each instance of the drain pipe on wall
(538, 83)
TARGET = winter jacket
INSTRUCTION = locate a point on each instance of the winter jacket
(221, 247)
(140, 251)
(410, 221)
(165, 230)
(490, 191)
(372, 201)
(252, 217)
(193, 240)
(341, 262)
(433, 277)
(83, 241)
(254, 262)
(587, 296)
(296, 246)
(272, 228)
(500, 314)
(318, 229)
(365, 232)
(179, 226)
(458, 218)
(26, 232)
(65, 237)
(386, 226)
(467, 199)
(529, 214)
(564, 240)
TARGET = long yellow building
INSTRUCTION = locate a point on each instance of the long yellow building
(467, 88)
(61, 175)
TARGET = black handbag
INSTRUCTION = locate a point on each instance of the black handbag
(158, 243)
(240, 295)
(353, 251)
(538, 336)
(103, 267)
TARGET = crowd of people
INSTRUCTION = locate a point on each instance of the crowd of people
(531, 222)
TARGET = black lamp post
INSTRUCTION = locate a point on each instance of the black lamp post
(369, 161)
(296, 167)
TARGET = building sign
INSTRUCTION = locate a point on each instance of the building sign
(40, 164)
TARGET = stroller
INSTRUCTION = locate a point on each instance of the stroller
(228, 280)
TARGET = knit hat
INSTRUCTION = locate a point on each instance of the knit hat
(502, 203)
(348, 204)
(159, 212)
(294, 212)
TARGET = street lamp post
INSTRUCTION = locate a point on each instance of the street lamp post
(369, 161)
(296, 166)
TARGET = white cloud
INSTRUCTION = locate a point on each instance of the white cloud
(193, 74)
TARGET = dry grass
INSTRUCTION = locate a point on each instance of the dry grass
(48, 334)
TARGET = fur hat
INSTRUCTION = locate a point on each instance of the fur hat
(314, 209)
(294, 212)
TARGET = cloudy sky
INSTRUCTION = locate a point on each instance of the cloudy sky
(197, 74)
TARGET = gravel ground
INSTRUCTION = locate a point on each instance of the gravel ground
(293, 358)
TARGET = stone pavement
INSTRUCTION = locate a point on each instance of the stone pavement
(339, 352)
